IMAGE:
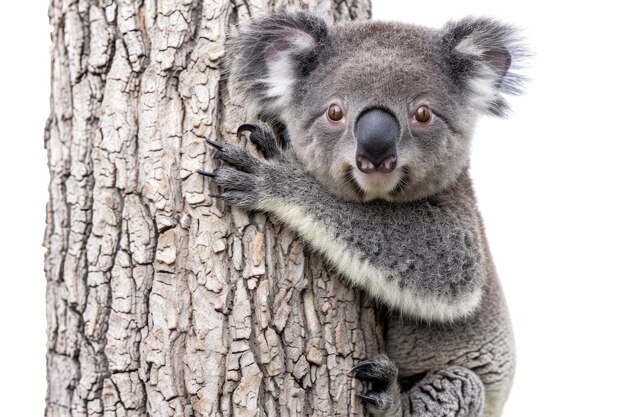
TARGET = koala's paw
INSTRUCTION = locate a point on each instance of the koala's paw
(244, 181)
(383, 397)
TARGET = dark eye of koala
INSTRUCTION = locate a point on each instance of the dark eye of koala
(423, 114)
(335, 113)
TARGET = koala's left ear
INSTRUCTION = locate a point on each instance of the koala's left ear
(482, 56)
(267, 58)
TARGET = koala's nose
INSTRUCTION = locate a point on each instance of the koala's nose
(377, 132)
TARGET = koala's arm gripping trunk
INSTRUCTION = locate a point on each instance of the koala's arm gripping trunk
(425, 258)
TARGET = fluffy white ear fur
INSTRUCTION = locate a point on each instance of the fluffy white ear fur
(486, 56)
(281, 71)
(482, 86)
(267, 57)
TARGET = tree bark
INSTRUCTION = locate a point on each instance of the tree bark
(160, 300)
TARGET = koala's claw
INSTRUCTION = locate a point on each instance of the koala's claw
(216, 145)
(239, 187)
(378, 369)
(246, 127)
(206, 173)
(382, 374)
(262, 136)
(375, 399)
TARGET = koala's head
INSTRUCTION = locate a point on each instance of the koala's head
(372, 109)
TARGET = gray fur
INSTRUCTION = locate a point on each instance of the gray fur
(343, 63)
(442, 257)
(422, 252)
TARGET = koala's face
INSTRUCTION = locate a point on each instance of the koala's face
(376, 110)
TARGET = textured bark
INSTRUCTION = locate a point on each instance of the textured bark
(162, 301)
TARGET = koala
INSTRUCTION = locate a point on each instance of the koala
(366, 152)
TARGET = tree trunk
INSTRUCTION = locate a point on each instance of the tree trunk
(162, 301)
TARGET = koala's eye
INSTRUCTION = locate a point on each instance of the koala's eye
(423, 114)
(335, 113)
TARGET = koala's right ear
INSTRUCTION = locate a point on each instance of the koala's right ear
(268, 56)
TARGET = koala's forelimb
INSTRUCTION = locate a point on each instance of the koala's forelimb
(435, 272)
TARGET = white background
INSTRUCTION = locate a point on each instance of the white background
(550, 184)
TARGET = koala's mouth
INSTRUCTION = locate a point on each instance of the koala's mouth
(379, 185)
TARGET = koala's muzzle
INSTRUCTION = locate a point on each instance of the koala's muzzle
(377, 132)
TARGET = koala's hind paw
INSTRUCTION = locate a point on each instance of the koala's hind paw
(262, 136)
(383, 397)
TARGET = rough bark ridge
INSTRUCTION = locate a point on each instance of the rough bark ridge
(162, 302)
